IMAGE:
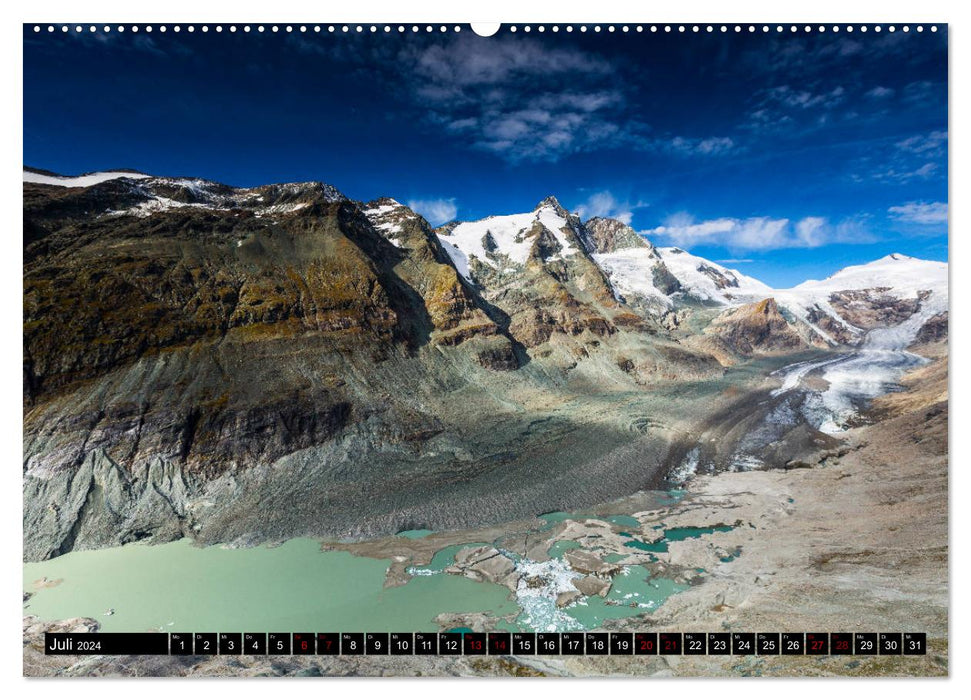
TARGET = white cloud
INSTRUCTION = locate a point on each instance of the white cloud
(542, 131)
(811, 231)
(918, 157)
(435, 211)
(879, 92)
(933, 143)
(803, 99)
(920, 212)
(518, 98)
(471, 61)
(605, 204)
(525, 100)
(758, 232)
(714, 145)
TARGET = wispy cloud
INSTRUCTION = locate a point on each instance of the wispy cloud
(806, 99)
(806, 57)
(924, 92)
(896, 173)
(917, 157)
(552, 126)
(605, 204)
(933, 144)
(435, 211)
(715, 145)
(469, 61)
(519, 99)
(800, 56)
(797, 110)
(924, 213)
(759, 232)
(526, 100)
(879, 92)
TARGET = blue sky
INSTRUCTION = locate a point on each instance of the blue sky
(790, 155)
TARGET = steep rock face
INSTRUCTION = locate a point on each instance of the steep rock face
(219, 333)
(868, 309)
(104, 292)
(609, 235)
(934, 330)
(453, 309)
(753, 329)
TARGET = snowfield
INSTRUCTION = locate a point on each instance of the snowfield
(81, 180)
(703, 278)
(630, 272)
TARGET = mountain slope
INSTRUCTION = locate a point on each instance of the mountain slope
(47, 178)
(249, 364)
(758, 328)
(453, 309)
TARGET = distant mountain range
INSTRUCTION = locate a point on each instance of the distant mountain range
(652, 279)
(195, 354)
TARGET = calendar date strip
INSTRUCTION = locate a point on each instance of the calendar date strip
(487, 644)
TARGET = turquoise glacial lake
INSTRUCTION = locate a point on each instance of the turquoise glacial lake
(181, 587)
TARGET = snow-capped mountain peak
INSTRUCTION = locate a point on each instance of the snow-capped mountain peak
(900, 272)
(661, 277)
(498, 241)
(896, 292)
(890, 291)
(550, 201)
(841, 309)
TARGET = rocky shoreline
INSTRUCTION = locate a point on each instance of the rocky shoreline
(856, 540)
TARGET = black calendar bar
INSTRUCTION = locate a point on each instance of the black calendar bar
(108, 643)
(487, 644)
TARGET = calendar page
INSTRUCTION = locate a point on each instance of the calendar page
(564, 350)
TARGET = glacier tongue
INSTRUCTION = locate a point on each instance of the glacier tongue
(876, 368)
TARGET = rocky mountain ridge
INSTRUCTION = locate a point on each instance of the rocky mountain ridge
(243, 364)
